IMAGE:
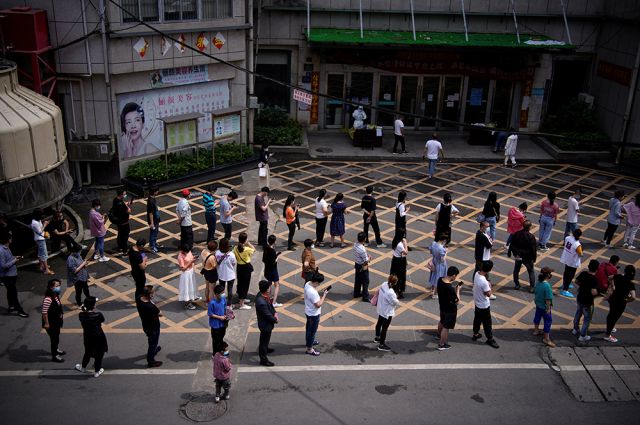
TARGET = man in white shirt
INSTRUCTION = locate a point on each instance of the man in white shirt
(432, 149)
(183, 214)
(573, 209)
(361, 258)
(312, 309)
(398, 134)
(481, 299)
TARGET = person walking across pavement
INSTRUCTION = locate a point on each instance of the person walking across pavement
(187, 287)
(150, 317)
(322, 214)
(261, 206)
(98, 230)
(289, 212)
(616, 214)
(481, 299)
(209, 268)
(386, 309)
(632, 209)
(399, 262)
(243, 252)
(398, 135)
(510, 149)
(543, 301)
(587, 291)
(153, 219)
(482, 245)
(571, 258)
(523, 248)
(138, 263)
(95, 341)
(210, 203)
(549, 210)
(337, 225)
(438, 263)
(445, 212)
(267, 319)
(491, 213)
(432, 150)
(38, 226)
(308, 261)
(270, 260)
(622, 292)
(515, 221)
(183, 216)
(312, 310)
(227, 207)
(226, 267)
(9, 274)
(368, 206)
(361, 265)
(217, 312)
(77, 274)
(573, 210)
(119, 215)
(52, 318)
(222, 373)
(448, 298)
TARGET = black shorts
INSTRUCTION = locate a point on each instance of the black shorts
(448, 319)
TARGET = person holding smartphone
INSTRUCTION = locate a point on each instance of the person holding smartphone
(270, 260)
(448, 297)
(9, 274)
(312, 309)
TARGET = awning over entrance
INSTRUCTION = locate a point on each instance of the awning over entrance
(433, 39)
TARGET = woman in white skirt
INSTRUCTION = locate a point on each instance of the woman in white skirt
(187, 287)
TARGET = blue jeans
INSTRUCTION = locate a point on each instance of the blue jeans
(432, 166)
(153, 337)
(153, 237)
(587, 312)
(546, 226)
(569, 228)
(541, 313)
(100, 245)
(311, 329)
(492, 227)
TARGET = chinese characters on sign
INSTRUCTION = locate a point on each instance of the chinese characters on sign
(226, 126)
(302, 96)
(179, 76)
(315, 88)
(181, 134)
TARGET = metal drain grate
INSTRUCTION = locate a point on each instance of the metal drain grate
(204, 408)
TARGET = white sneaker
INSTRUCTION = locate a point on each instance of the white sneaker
(79, 368)
(574, 332)
(244, 307)
(96, 256)
(382, 245)
(277, 304)
(492, 297)
(104, 259)
(631, 247)
(247, 301)
(584, 338)
(614, 330)
(98, 373)
(625, 245)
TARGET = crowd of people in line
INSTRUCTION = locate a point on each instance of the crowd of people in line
(222, 263)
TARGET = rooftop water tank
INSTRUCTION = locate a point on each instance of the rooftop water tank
(33, 157)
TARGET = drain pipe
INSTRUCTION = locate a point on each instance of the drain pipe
(107, 72)
(250, 65)
(629, 107)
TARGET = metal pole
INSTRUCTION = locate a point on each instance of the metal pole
(197, 143)
(361, 27)
(464, 20)
(308, 19)
(413, 22)
(515, 21)
(566, 23)
(166, 149)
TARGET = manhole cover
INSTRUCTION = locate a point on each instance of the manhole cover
(324, 150)
(204, 408)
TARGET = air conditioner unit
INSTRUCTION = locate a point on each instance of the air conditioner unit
(586, 98)
(100, 150)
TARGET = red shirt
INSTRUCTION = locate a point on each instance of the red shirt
(604, 271)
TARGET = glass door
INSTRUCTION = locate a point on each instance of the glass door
(429, 102)
(334, 109)
(361, 93)
(450, 102)
(476, 108)
(408, 96)
(387, 100)
(501, 103)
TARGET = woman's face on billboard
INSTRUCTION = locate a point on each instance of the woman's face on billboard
(133, 125)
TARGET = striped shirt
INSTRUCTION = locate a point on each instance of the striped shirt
(360, 253)
(208, 202)
(47, 302)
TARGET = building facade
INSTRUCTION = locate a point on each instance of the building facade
(122, 82)
(495, 73)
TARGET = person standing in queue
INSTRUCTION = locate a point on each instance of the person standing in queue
(243, 252)
(138, 262)
(270, 260)
(119, 215)
(267, 319)
(52, 318)
(261, 205)
(312, 310)
(150, 317)
(386, 309)
(9, 274)
(448, 298)
(183, 216)
(217, 312)
(95, 341)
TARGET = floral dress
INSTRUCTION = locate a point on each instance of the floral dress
(439, 253)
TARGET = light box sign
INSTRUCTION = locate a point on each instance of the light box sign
(141, 132)
(180, 76)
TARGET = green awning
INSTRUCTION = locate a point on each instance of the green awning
(435, 39)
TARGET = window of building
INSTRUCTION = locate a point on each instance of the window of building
(277, 65)
(176, 10)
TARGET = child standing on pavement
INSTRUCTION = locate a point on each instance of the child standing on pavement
(222, 372)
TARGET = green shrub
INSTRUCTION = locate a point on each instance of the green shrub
(289, 135)
(271, 117)
(579, 125)
(184, 164)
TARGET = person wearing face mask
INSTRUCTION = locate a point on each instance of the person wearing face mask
(183, 215)
(222, 372)
(98, 230)
(216, 311)
(77, 276)
(52, 318)
(573, 209)
(150, 316)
